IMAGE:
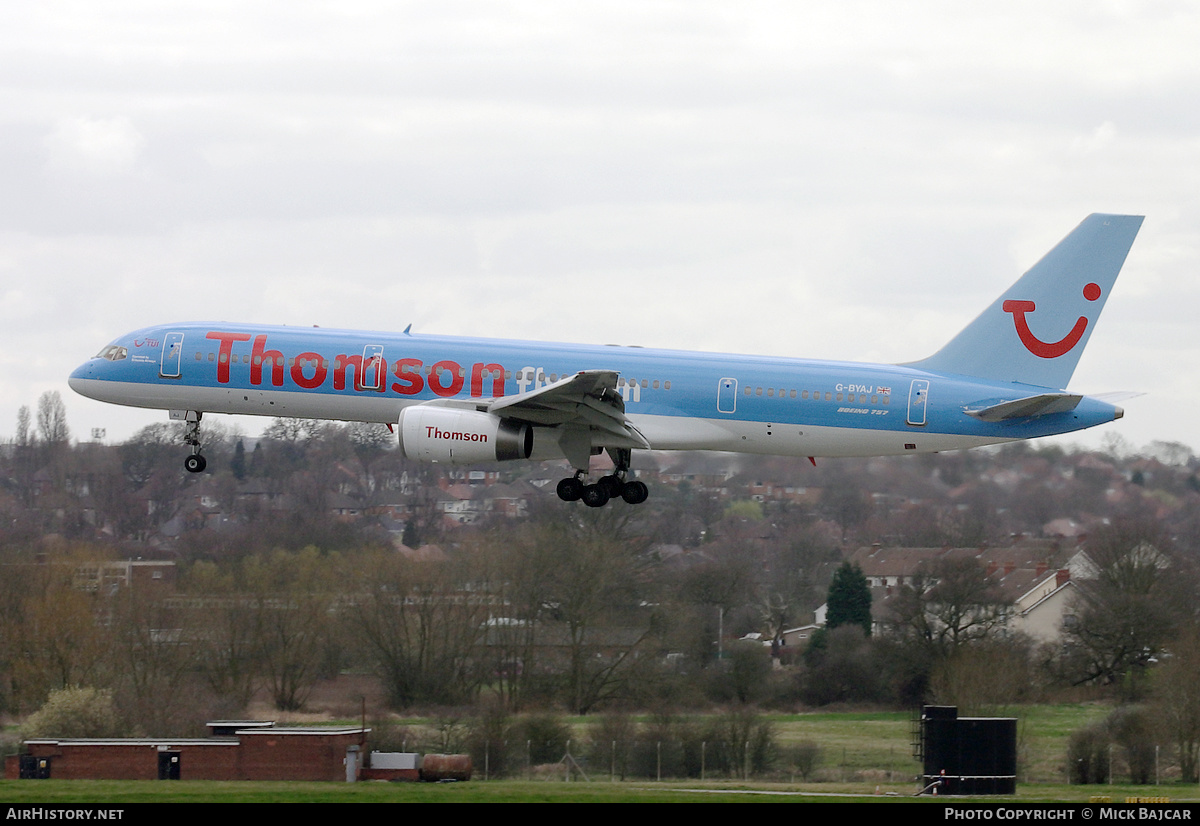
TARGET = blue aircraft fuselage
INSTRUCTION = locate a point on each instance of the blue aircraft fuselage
(468, 400)
(680, 400)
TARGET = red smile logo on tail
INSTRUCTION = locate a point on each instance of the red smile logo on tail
(1048, 349)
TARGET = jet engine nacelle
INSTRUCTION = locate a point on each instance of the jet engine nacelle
(462, 437)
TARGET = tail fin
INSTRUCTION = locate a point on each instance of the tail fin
(1037, 330)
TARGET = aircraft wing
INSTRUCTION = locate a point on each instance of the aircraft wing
(585, 406)
(1042, 404)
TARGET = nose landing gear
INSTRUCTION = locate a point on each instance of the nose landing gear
(194, 463)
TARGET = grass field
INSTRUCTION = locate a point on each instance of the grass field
(106, 792)
(876, 747)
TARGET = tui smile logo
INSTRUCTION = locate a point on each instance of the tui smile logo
(1048, 349)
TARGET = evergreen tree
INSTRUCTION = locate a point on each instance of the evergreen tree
(412, 535)
(238, 463)
(849, 600)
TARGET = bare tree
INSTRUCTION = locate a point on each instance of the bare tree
(52, 419)
(984, 678)
(949, 603)
(574, 590)
(227, 645)
(24, 432)
(291, 598)
(55, 640)
(24, 459)
(1178, 702)
(1124, 615)
(599, 578)
(420, 622)
(152, 661)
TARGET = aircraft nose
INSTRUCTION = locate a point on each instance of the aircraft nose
(80, 376)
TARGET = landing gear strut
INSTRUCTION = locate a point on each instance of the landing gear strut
(606, 488)
(195, 463)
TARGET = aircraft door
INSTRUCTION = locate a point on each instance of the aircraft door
(374, 369)
(172, 356)
(727, 396)
(918, 398)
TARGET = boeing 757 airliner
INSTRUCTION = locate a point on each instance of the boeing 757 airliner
(466, 400)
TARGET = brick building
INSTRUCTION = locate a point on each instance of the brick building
(245, 751)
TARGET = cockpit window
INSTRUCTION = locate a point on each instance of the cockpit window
(113, 353)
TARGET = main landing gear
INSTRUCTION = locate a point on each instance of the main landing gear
(613, 486)
(191, 437)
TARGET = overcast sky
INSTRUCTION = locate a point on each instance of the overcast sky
(850, 180)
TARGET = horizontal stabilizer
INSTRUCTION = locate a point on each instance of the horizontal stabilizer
(1117, 396)
(1042, 404)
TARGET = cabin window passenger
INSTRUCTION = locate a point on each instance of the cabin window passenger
(667, 385)
(828, 396)
(874, 400)
(804, 395)
(758, 391)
